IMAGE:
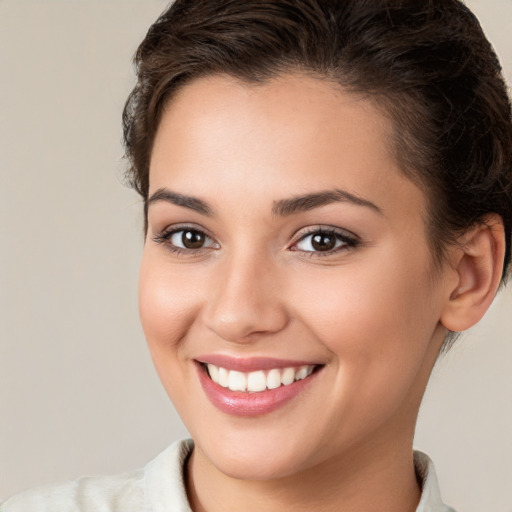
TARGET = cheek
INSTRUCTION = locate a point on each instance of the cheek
(168, 304)
(168, 301)
(372, 312)
(377, 325)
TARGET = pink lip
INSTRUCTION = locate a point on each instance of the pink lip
(239, 403)
(250, 364)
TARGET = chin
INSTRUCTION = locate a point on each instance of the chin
(262, 457)
(255, 466)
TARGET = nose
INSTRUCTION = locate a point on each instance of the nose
(245, 300)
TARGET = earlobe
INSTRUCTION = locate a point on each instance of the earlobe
(479, 266)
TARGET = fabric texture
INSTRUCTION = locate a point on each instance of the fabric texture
(160, 487)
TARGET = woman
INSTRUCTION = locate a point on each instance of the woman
(327, 190)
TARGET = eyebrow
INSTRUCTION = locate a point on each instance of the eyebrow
(193, 203)
(281, 208)
(285, 207)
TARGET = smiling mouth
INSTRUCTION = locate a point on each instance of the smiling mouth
(255, 386)
(260, 380)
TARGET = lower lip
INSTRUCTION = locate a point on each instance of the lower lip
(238, 403)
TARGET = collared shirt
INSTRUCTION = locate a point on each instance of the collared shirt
(160, 487)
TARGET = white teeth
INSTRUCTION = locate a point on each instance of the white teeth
(214, 372)
(288, 376)
(237, 381)
(256, 381)
(302, 373)
(260, 380)
(273, 379)
(223, 377)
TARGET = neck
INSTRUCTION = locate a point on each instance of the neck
(377, 478)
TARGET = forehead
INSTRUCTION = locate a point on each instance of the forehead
(286, 136)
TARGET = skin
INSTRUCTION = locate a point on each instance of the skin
(374, 314)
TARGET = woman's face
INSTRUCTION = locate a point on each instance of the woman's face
(284, 243)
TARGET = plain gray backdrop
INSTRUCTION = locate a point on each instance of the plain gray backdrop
(78, 394)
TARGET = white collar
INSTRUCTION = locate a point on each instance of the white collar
(430, 493)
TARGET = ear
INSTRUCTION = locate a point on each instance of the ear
(478, 262)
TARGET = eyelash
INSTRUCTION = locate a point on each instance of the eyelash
(348, 241)
(164, 238)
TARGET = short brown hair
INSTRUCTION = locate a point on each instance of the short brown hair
(427, 63)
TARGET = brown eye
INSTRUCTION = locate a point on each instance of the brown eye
(187, 239)
(323, 242)
(192, 239)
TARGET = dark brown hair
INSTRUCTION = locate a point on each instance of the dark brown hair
(426, 63)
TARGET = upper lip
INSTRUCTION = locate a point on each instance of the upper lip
(248, 364)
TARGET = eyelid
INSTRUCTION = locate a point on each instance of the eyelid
(182, 226)
(163, 237)
(323, 228)
(350, 239)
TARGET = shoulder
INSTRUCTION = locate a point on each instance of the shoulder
(87, 494)
(146, 489)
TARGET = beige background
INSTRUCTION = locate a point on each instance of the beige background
(78, 393)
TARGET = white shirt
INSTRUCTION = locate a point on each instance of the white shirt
(159, 487)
